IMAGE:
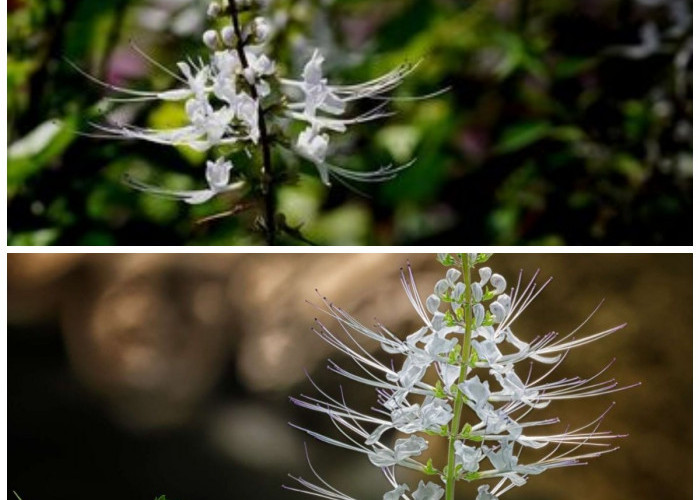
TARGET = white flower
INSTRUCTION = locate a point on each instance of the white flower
(396, 493)
(227, 65)
(197, 81)
(323, 106)
(227, 98)
(247, 110)
(213, 9)
(448, 374)
(484, 493)
(319, 95)
(259, 67)
(501, 424)
(261, 29)
(217, 175)
(468, 456)
(429, 491)
(314, 146)
(403, 449)
(434, 414)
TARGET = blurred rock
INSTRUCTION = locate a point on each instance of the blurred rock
(147, 334)
(33, 285)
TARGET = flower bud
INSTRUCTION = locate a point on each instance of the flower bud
(499, 283)
(260, 29)
(214, 9)
(228, 35)
(211, 39)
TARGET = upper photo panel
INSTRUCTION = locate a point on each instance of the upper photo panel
(349, 122)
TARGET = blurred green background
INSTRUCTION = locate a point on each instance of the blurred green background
(131, 376)
(567, 122)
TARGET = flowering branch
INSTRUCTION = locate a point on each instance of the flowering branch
(235, 101)
(267, 181)
(473, 353)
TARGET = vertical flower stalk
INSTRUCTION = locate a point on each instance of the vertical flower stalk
(267, 179)
(466, 310)
(236, 102)
(461, 360)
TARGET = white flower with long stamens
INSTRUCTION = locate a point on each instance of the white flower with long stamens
(218, 174)
(234, 100)
(474, 372)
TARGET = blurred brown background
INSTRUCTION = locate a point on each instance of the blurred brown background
(131, 376)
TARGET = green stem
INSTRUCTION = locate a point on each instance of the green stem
(463, 372)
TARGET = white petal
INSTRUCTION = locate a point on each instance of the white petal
(432, 304)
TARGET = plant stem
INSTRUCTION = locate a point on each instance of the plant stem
(266, 181)
(463, 372)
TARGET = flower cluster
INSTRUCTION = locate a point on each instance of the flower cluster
(235, 98)
(477, 373)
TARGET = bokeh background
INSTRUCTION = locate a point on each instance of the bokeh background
(568, 122)
(131, 376)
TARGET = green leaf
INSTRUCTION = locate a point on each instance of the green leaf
(429, 469)
(521, 135)
(400, 140)
(41, 238)
(27, 156)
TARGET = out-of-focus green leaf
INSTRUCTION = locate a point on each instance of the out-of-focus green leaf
(97, 238)
(421, 181)
(89, 29)
(301, 202)
(347, 225)
(29, 155)
(503, 223)
(18, 73)
(567, 133)
(629, 166)
(520, 135)
(400, 141)
(41, 237)
(572, 66)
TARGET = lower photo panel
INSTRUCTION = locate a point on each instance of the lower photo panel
(350, 376)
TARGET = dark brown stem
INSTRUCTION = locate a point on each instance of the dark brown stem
(267, 184)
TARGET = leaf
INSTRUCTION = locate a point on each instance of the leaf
(27, 156)
(521, 135)
(400, 140)
(40, 238)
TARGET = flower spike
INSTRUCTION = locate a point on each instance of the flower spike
(443, 369)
